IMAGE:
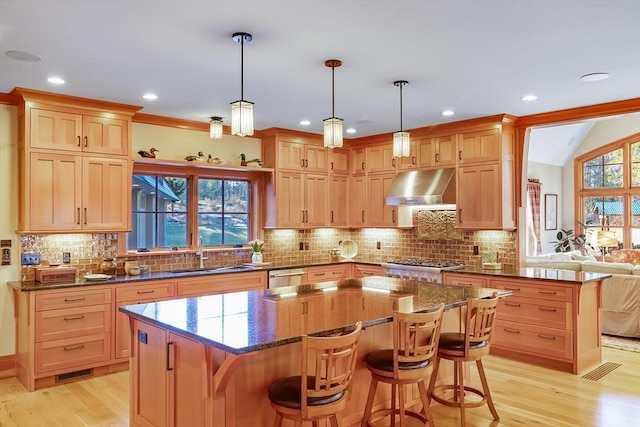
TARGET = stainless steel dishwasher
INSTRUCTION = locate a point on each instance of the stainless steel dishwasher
(287, 277)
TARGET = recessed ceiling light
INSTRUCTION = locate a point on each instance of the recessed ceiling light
(351, 130)
(55, 80)
(305, 122)
(529, 98)
(23, 56)
(594, 77)
(150, 96)
(447, 113)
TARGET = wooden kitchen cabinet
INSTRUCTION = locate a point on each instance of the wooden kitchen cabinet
(380, 158)
(358, 161)
(178, 396)
(221, 283)
(339, 161)
(483, 145)
(301, 156)
(380, 214)
(553, 324)
(436, 151)
(64, 130)
(338, 201)
(366, 270)
(358, 201)
(464, 279)
(144, 292)
(72, 193)
(302, 200)
(479, 197)
(328, 273)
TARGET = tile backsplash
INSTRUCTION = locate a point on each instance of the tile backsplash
(282, 247)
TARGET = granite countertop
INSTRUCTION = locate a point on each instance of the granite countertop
(32, 285)
(568, 276)
(243, 322)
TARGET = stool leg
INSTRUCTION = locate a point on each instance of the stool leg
(393, 403)
(434, 374)
(334, 421)
(401, 392)
(314, 423)
(369, 405)
(424, 396)
(485, 387)
(278, 421)
(461, 392)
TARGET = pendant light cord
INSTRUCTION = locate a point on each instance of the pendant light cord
(401, 106)
(333, 92)
(242, 68)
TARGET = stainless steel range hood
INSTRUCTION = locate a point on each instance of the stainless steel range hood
(435, 187)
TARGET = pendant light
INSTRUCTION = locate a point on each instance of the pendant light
(241, 110)
(333, 125)
(400, 138)
(215, 127)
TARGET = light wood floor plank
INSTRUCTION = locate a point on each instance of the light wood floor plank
(525, 395)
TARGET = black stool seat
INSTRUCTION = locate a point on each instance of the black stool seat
(286, 392)
(455, 342)
(382, 360)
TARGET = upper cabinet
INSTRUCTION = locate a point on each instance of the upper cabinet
(436, 151)
(74, 163)
(483, 145)
(380, 158)
(301, 157)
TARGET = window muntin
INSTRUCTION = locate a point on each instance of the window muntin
(605, 171)
(158, 212)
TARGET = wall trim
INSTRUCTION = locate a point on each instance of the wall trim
(7, 366)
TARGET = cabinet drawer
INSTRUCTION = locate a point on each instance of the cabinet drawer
(52, 301)
(361, 270)
(221, 283)
(552, 314)
(464, 279)
(151, 291)
(72, 322)
(327, 273)
(548, 342)
(529, 290)
(72, 352)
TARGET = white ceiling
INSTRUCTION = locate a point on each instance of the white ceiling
(476, 57)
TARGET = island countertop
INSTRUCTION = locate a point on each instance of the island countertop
(567, 276)
(243, 322)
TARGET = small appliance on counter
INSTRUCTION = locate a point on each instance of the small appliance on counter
(55, 274)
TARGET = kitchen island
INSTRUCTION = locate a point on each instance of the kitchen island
(208, 361)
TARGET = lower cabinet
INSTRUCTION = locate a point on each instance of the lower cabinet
(328, 273)
(366, 270)
(221, 283)
(177, 396)
(464, 279)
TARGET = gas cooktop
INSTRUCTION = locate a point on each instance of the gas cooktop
(419, 262)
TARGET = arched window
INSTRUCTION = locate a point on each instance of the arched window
(608, 193)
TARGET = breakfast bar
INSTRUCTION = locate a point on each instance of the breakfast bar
(210, 360)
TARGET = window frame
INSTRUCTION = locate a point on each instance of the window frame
(192, 173)
(626, 191)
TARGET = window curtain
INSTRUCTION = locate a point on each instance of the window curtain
(533, 213)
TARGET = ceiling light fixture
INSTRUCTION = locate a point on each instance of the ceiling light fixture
(24, 56)
(56, 80)
(150, 96)
(594, 77)
(401, 138)
(333, 125)
(448, 113)
(529, 98)
(215, 127)
(241, 110)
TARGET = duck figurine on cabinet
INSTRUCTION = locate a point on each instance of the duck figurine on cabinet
(213, 160)
(199, 158)
(151, 154)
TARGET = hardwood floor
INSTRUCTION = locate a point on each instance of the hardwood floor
(525, 395)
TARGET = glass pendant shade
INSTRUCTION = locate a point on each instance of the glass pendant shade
(401, 146)
(242, 118)
(333, 132)
(215, 128)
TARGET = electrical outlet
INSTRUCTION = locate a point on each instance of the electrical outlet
(301, 246)
(306, 246)
(475, 250)
(66, 257)
(30, 259)
(377, 245)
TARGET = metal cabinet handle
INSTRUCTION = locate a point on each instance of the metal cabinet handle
(169, 346)
(363, 216)
(301, 163)
(547, 292)
(78, 140)
(393, 216)
(74, 299)
(319, 274)
(552, 310)
(331, 216)
(393, 162)
(460, 216)
(85, 216)
(547, 337)
(145, 292)
(362, 165)
(78, 222)
(73, 347)
(511, 304)
(331, 165)
(414, 160)
(460, 155)
(363, 303)
(306, 163)
(506, 288)
(74, 318)
(512, 331)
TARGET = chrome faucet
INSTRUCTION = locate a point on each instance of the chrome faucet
(200, 253)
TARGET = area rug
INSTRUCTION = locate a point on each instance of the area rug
(622, 343)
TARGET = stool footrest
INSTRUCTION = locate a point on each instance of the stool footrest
(454, 401)
(381, 413)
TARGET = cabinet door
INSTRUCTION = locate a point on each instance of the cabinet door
(379, 213)
(464, 279)
(339, 161)
(327, 273)
(446, 150)
(479, 197)
(479, 146)
(315, 159)
(188, 382)
(105, 135)
(55, 192)
(316, 196)
(426, 150)
(358, 204)
(106, 189)
(380, 159)
(339, 205)
(290, 155)
(149, 373)
(358, 161)
(56, 130)
(363, 270)
(290, 199)
(410, 162)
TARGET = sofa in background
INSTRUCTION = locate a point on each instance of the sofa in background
(620, 293)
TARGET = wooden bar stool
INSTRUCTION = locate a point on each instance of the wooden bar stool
(467, 347)
(322, 389)
(415, 342)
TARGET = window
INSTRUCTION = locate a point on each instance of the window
(609, 194)
(162, 208)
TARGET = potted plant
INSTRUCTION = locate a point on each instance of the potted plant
(568, 240)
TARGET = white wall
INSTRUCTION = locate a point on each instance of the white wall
(551, 178)
(602, 133)
(8, 222)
